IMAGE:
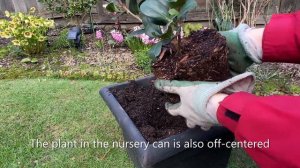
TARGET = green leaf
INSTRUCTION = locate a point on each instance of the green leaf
(151, 29)
(155, 50)
(26, 60)
(111, 42)
(138, 32)
(142, 1)
(177, 4)
(133, 6)
(173, 12)
(187, 7)
(168, 35)
(111, 7)
(34, 60)
(157, 10)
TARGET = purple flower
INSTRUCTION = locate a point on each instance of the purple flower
(117, 36)
(99, 35)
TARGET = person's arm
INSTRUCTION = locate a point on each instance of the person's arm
(273, 119)
(281, 39)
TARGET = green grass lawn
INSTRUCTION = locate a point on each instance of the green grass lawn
(48, 110)
(52, 109)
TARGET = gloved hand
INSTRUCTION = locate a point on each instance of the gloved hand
(195, 97)
(245, 47)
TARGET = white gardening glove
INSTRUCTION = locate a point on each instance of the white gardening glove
(195, 96)
(251, 39)
(245, 47)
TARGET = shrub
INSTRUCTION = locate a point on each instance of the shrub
(143, 60)
(27, 31)
(4, 51)
(191, 27)
(135, 44)
(62, 41)
(70, 8)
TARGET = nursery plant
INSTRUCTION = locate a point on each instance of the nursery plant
(26, 31)
(200, 56)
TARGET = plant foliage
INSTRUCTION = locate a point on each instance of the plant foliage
(161, 18)
(27, 31)
(70, 8)
(191, 27)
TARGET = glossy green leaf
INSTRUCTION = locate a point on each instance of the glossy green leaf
(155, 50)
(133, 6)
(177, 4)
(157, 10)
(173, 12)
(187, 7)
(151, 29)
(137, 32)
(111, 7)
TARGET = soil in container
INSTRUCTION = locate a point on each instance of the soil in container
(146, 107)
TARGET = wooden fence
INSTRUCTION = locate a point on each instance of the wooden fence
(101, 17)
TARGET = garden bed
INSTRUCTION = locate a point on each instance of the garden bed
(110, 63)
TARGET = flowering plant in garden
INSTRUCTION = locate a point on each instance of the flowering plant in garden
(144, 37)
(99, 35)
(161, 18)
(27, 31)
(117, 36)
(100, 38)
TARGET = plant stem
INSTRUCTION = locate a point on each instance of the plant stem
(179, 37)
(128, 11)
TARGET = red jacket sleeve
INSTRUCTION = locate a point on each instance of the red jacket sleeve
(273, 120)
(281, 39)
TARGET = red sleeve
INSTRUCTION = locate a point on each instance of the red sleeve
(274, 120)
(281, 39)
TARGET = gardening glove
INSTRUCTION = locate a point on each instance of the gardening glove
(245, 47)
(195, 96)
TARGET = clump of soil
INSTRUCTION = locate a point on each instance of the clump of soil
(146, 107)
(203, 58)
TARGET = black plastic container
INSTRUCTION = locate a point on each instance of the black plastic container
(171, 156)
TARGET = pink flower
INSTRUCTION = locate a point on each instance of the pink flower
(117, 36)
(99, 35)
(145, 38)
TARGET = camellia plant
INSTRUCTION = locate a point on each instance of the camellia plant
(161, 18)
(27, 31)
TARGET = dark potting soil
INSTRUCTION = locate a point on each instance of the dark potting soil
(146, 107)
(203, 58)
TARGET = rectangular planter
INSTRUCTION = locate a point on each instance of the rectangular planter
(173, 157)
